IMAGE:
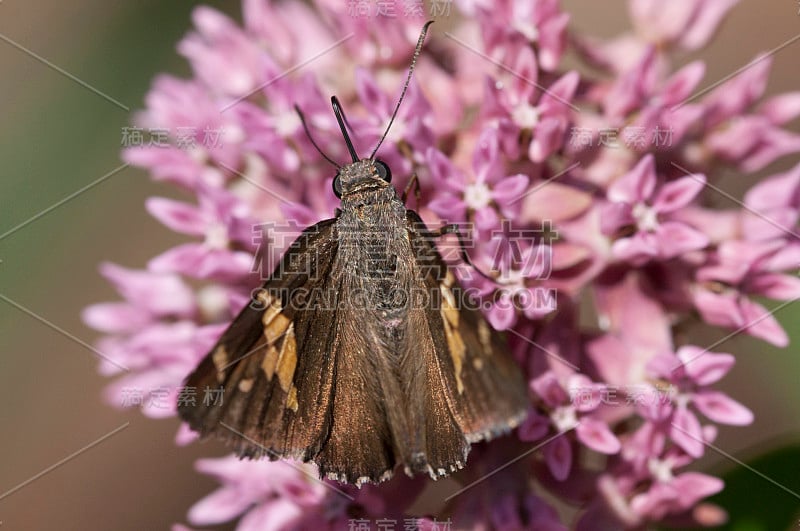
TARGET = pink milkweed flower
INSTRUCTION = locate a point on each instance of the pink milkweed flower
(521, 285)
(271, 495)
(225, 57)
(383, 32)
(659, 105)
(149, 297)
(688, 24)
(570, 406)
(271, 26)
(635, 203)
(772, 207)
(541, 23)
(691, 370)
(750, 141)
(500, 497)
(274, 495)
(276, 133)
(506, 510)
(646, 486)
(520, 106)
(159, 357)
(222, 220)
(739, 269)
(636, 328)
(193, 120)
(674, 493)
(482, 199)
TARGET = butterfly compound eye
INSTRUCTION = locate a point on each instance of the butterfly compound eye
(337, 186)
(383, 171)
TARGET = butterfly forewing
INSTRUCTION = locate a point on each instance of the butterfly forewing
(272, 369)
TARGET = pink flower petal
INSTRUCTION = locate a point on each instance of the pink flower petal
(707, 18)
(773, 143)
(704, 367)
(534, 428)
(524, 84)
(502, 315)
(548, 137)
(736, 95)
(177, 215)
(585, 395)
(675, 239)
(448, 207)
(115, 317)
(775, 286)
(558, 456)
(486, 219)
(596, 435)
(678, 193)
(787, 258)
(509, 189)
(775, 191)
(197, 261)
(553, 40)
(762, 324)
(273, 515)
(614, 216)
(686, 432)
(721, 309)
(566, 255)
(444, 174)
(637, 185)
(185, 435)
(485, 157)
(681, 85)
(549, 389)
(721, 408)
(638, 249)
(694, 486)
(782, 108)
(220, 506)
(555, 202)
(559, 94)
(370, 94)
(160, 294)
(630, 90)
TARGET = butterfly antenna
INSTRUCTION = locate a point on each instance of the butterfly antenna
(420, 41)
(311, 138)
(337, 110)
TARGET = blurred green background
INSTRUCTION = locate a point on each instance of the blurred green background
(57, 137)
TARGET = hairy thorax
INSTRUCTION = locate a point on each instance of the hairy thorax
(373, 240)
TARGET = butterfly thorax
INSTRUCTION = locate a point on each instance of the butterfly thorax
(373, 240)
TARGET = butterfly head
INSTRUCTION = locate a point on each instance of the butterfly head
(365, 174)
(361, 174)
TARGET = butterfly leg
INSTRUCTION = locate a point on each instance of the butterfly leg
(412, 183)
(452, 228)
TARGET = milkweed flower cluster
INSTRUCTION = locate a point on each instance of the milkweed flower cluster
(593, 184)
